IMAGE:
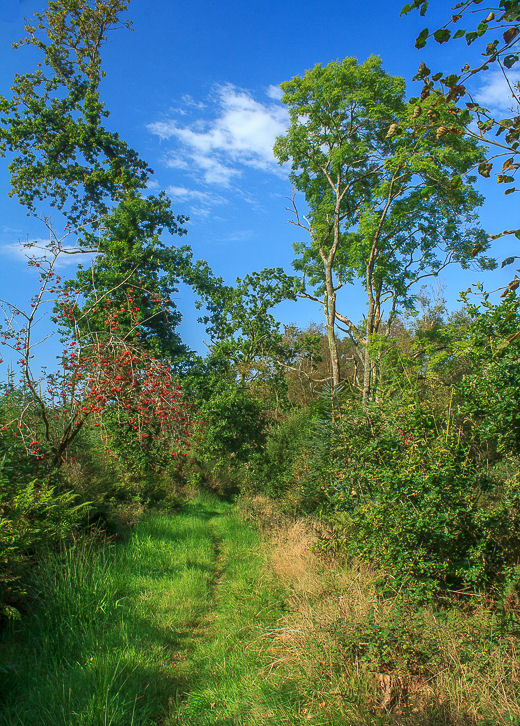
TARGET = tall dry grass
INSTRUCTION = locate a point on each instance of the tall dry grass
(361, 653)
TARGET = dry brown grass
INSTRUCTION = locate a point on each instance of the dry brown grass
(360, 658)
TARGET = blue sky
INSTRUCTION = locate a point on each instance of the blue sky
(194, 88)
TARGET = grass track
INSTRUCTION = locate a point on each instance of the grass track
(168, 628)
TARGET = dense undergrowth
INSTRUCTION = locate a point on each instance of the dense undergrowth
(361, 650)
(230, 615)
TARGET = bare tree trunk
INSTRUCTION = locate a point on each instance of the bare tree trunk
(367, 363)
(330, 323)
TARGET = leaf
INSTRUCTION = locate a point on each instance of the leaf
(504, 178)
(508, 261)
(510, 60)
(484, 169)
(491, 48)
(485, 125)
(456, 181)
(442, 35)
(424, 8)
(451, 80)
(392, 131)
(459, 33)
(511, 34)
(421, 39)
(490, 17)
(510, 190)
(422, 71)
(456, 92)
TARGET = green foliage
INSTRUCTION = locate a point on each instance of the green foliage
(136, 273)
(53, 121)
(231, 424)
(273, 469)
(382, 180)
(496, 32)
(53, 127)
(490, 389)
(407, 495)
(34, 516)
(241, 324)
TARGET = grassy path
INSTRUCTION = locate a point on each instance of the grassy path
(197, 621)
(169, 628)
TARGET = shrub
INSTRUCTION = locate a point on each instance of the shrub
(274, 469)
(402, 490)
(34, 516)
(231, 424)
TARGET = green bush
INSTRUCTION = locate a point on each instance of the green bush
(490, 390)
(401, 489)
(34, 516)
(275, 468)
(232, 424)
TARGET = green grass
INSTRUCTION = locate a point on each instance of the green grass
(103, 646)
(197, 620)
(229, 670)
(168, 628)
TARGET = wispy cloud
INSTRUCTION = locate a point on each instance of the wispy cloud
(495, 92)
(199, 202)
(236, 132)
(40, 249)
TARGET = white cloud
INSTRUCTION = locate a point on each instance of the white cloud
(275, 92)
(215, 172)
(495, 92)
(239, 134)
(194, 195)
(190, 101)
(176, 162)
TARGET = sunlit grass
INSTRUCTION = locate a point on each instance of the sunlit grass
(102, 650)
(200, 620)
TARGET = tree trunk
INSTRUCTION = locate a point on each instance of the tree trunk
(330, 323)
(367, 376)
(367, 362)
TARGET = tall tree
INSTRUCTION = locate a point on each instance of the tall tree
(62, 155)
(116, 317)
(242, 327)
(383, 206)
